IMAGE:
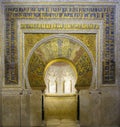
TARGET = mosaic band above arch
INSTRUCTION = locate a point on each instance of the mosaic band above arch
(89, 12)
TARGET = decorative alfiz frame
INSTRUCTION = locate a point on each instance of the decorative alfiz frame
(105, 14)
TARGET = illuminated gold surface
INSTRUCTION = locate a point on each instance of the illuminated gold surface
(30, 40)
(60, 26)
(35, 71)
(88, 39)
(54, 109)
(60, 48)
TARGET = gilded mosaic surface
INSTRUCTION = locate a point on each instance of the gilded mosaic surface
(30, 40)
(53, 109)
(88, 39)
(60, 48)
(101, 12)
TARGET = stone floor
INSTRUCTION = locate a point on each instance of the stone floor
(62, 123)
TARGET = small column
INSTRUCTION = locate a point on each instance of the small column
(78, 102)
(43, 106)
(78, 107)
(43, 113)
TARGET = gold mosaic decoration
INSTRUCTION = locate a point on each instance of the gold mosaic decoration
(30, 40)
(54, 110)
(60, 48)
(14, 13)
(88, 39)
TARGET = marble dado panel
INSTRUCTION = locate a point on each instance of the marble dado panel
(11, 111)
(0, 109)
(14, 109)
(98, 12)
(110, 104)
(100, 108)
(36, 108)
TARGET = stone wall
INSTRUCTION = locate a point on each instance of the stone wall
(0, 109)
(15, 109)
(36, 108)
(100, 108)
(11, 111)
(25, 109)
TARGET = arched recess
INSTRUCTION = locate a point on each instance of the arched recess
(60, 46)
(60, 76)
